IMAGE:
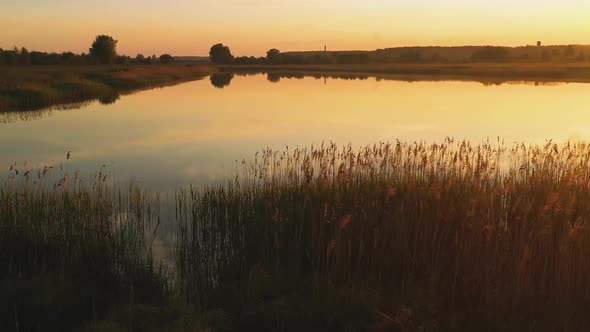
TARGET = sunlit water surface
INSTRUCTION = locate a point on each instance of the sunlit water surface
(193, 133)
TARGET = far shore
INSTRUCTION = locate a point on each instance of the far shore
(566, 72)
(38, 87)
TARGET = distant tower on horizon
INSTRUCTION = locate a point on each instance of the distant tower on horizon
(539, 43)
(325, 49)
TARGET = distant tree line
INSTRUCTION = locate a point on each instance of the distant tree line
(491, 54)
(221, 54)
(102, 51)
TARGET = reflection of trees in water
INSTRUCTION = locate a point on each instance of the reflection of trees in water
(360, 77)
(247, 73)
(37, 114)
(277, 76)
(109, 99)
(534, 83)
(221, 80)
(30, 115)
(13, 117)
(273, 77)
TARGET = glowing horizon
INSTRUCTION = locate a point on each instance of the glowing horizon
(251, 27)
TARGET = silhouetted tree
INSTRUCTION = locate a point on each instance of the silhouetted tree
(220, 54)
(249, 60)
(123, 60)
(221, 80)
(140, 59)
(104, 48)
(11, 56)
(67, 57)
(39, 58)
(273, 56)
(24, 58)
(166, 58)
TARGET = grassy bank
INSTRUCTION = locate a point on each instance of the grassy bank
(391, 237)
(485, 72)
(35, 87)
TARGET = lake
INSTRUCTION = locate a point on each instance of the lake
(194, 132)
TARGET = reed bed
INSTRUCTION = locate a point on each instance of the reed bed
(449, 236)
(70, 252)
(395, 236)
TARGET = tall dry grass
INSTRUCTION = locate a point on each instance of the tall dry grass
(70, 252)
(423, 237)
(434, 236)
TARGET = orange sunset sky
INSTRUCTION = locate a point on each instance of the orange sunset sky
(251, 27)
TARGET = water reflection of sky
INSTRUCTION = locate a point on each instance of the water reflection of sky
(194, 132)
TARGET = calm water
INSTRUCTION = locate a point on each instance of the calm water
(194, 132)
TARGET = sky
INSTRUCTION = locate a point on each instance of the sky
(251, 27)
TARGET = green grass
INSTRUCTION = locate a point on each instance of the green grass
(36, 87)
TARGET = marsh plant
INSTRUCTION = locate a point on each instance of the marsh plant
(394, 236)
(429, 236)
(70, 252)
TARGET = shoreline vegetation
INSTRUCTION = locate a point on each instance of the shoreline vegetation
(402, 236)
(24, 88)
(32, 80)
(574, 72)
